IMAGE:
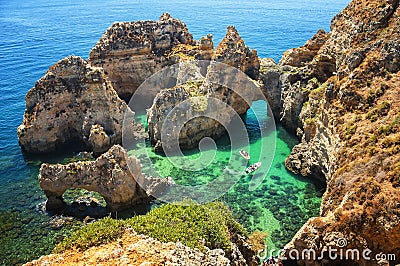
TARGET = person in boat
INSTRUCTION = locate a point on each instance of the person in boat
(253, 167)
(269, 261)
(245, 154)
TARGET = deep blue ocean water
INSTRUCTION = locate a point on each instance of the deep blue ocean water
(36, 34)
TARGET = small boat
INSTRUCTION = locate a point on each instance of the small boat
(253, 167)
(245, 154)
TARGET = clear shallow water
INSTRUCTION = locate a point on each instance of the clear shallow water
(276, 202)
(36, 34)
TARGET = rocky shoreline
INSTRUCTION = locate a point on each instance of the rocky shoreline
(340, 93)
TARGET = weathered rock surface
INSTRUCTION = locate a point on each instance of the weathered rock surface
(73, 103)
(204, 109)
(109, 175)
(349, 130)
(339, 93)
(298, 57)
(130, 52)
(286, 89)
(287, 84)
(134, 249)
(233, 51)
(209, 98)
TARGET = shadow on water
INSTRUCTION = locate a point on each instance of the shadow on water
(69, 149)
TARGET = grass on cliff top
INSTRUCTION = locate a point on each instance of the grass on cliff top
(196, 226)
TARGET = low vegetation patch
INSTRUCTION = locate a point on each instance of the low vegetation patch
(197, 226)
(101, 232)
(379, 111)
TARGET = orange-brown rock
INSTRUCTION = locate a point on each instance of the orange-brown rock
(350, 137)
(134, 249)
(130, 52)
(204, 89)
(207, 105)
(298, 57)
(67, 104)
(233, 51)
(121, 185)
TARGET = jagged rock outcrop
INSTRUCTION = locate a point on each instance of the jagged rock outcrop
(207, 99)
(109, 175)
(134, 249)
(233, 51)
(73, 103)
(205, 109)
(298, 57)
(339, 93)
(130, 52)
(349, 130)
(287, 84)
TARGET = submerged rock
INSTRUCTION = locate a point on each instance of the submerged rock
(339, 93)
(109, 175)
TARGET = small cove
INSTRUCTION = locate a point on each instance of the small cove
(279, 205)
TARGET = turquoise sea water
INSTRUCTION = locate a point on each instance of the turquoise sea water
(36, 34)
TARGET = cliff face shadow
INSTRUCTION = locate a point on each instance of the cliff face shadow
(69, 149)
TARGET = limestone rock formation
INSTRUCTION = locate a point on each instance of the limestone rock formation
(73, 103)
(130, 52)
(233, 51)
(199, 116)
(288, 84)
(286, 89)
(340, 93)
(134, 249)
(200, 107)
(109, 175)
(270, 76)
(349, 130)
(99, 139)
(298, 57)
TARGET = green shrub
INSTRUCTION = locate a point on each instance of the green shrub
(95, 234)
(319, 92)
(393, 127)
(310, 121)
(195, 225)
(372, 139)
(257, 240)
(393, 140)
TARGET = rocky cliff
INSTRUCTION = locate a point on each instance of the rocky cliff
(134, 249)
(74, 103)
(130, 52)
(207, 101)
(233, 51)
(110, 176)
(341, 91)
